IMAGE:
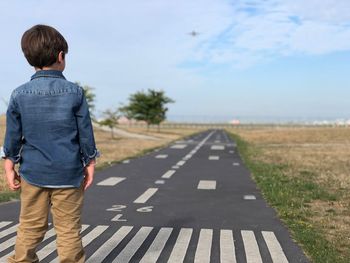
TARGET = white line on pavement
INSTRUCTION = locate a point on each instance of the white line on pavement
(274, 247)
(179, 146)
(179, 251)
(168, 174)
(227, 247)
(4, 223)
(161, 156)
(214, 157)
(217, 147)
(249, 197)
(207, 185)
(109, 245)
(146, 195)
(251, 247)
(111, 181)
(180, 163)
(204, 246)
(159, 182)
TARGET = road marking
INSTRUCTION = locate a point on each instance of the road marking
(162, 156)
(109, 245)
(4, 223)
(180, 163)
(188, 156)
(204, 246)
(251, 247)
(8, 231)
(179, 146)
(157, 246)
(180, 248)
(207, 185)
(126, 161)
(227, 247)
(134, 244)
(235, 164)
(232, 151)
(168, 174)
(175, 167)
(146, 195)
(214, 157)
(159, 182)
(193, 152)
(274, 247)
(111, 181)
(217, 147)
(249, 197)
(117, 218)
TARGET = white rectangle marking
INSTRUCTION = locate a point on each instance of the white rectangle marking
(180, 248)
(111, 181)
(157, 246)
(179, 146)
(218, 147)
(8, 231)
(4, 223)
(162, 156)
(274, 247)
(175, 167)
(227, 247)
(249, 197)
(204, 246)
(251, 247)
(135, 243)
(168, 174)
(207, 185)
(214, 157)
(180, 163)
(159, 182)
(146, 195)
(235, 164)
(109, 245)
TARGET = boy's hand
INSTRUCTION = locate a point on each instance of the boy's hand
(13, 180)
(89, 174)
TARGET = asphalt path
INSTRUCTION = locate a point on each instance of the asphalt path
(193, 201)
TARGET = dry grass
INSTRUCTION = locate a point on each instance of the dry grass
(324, 154)
(119, 148)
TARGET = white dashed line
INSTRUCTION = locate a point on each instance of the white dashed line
(217, 147)
(161, 156)
(175, 167)
(111, 181)
(235, 164)
(179, 146)
(146, 195)
(249, 197)
(168, 174)
(180, 163)
(159, 182)
(214, 158)
(206, 185)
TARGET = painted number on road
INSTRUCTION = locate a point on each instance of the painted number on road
(116, 208)
(145, 209)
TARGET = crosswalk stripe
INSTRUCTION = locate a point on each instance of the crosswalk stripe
(227, 247)
(251, 247)
(179, 251)
(274, 247)
(111, 181)
(146, 195)
(8, 231)
(88, 238)
(135, 243)
(4, 223)
(109, 245)
(204, 246)
(51, 247)
(157, 246)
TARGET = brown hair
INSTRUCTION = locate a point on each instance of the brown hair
(41, 45)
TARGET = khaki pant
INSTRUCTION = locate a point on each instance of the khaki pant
(66, 206)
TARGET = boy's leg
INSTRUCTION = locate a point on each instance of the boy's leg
(66, 212)
(33, 222)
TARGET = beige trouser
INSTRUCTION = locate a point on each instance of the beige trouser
(66, 205)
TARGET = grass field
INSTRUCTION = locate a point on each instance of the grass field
(112, 150)
(305, 174)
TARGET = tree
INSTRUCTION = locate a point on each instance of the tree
(90, 98)
(147, 106)
(110, 119)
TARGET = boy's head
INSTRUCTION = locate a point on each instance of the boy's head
(43, 46)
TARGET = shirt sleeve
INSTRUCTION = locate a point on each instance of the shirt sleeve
(13, 137)
(88, 148)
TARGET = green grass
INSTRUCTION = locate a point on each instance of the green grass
(290, 197)
(9, 196)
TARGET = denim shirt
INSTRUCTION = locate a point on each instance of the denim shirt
(49, 131)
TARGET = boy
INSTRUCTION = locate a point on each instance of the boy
(49, 132)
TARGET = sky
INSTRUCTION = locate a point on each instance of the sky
(252, 60)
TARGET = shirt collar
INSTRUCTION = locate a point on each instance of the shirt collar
(48, 73)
